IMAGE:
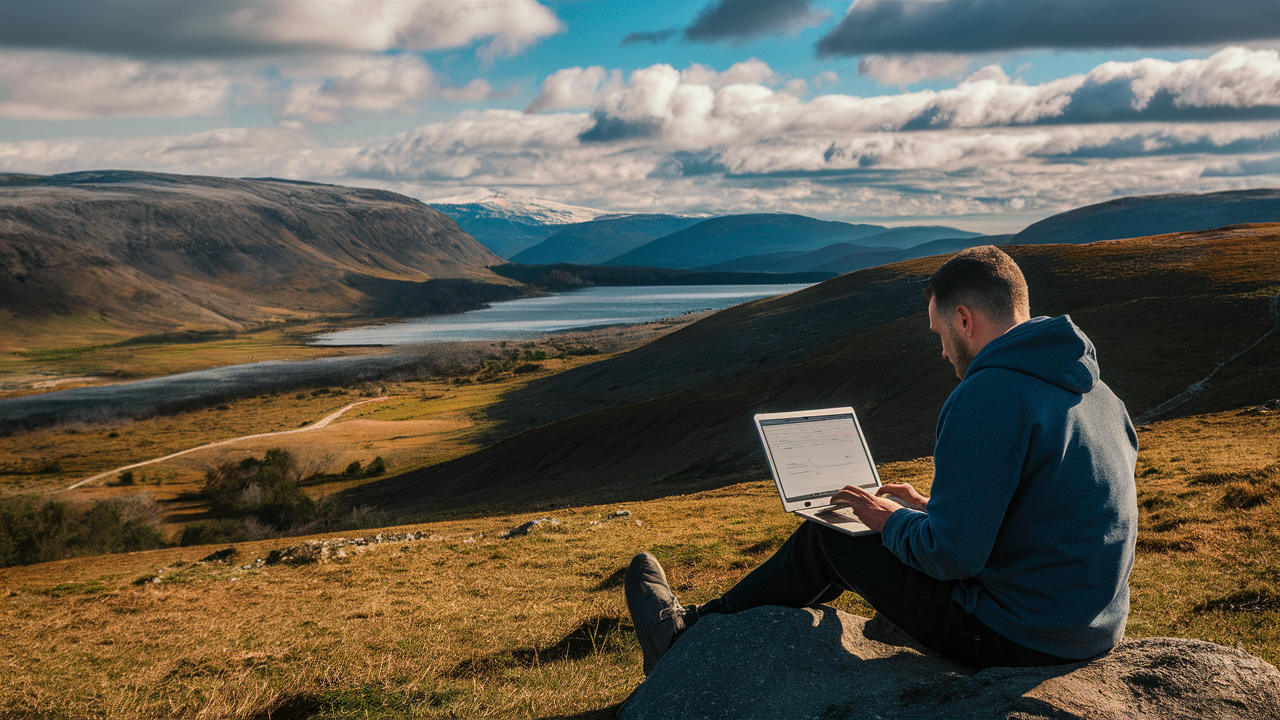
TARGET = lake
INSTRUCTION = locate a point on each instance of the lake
(534, 317)
(516, 319)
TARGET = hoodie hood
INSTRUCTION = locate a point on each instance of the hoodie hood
(1051, 349)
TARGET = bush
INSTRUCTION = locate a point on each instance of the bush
(353, 470)
(124, 478)
(35, 529)
(376, 467)
(265, 489)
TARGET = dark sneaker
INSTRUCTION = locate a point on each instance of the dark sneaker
(658, 617)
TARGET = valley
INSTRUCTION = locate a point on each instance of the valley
(632, 437)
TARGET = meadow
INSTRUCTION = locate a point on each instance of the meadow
(467, 623)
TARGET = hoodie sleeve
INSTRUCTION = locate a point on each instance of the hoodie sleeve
(976, 472)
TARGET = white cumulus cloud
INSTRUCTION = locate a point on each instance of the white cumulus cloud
(60, 86)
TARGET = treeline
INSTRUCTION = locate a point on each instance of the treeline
(253, 499)
(566, 276)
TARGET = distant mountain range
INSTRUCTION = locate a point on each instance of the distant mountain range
(508, 225)
(1145, 215)
(130, 252)
(730, 243)
(594, 242)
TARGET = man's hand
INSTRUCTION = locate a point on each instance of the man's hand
(873, 511)
(906, 494)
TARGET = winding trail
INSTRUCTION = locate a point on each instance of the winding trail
(315, 426)
(1197, 387)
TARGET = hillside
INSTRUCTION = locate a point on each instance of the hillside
(594, 242)
(847, 257)
(724, 238)
(1154, 215)
(673, 415)
(508, 225)
(115, 253)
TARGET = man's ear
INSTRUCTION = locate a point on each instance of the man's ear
(964, 321)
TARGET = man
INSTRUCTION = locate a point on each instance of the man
(1022, 555)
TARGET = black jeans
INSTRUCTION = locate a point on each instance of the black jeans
(817, 563)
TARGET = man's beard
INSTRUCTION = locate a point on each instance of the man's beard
(961, 355)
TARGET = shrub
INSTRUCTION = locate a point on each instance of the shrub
(125, 478)
(265, 489)
(353, 469)
(376, 467)
(35, 529)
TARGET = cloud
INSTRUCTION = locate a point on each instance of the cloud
(474, 91)
(969, 26)
(657, 37)
(282, 151)
(572, 88)
(826, 77)
(741, 139)
(323, 89)
(230, 28)
(733, 141)
(61, 86)
(742, 20)
(698, 107)
(903, 70)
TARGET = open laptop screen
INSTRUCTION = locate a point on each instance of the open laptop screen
(817, 455)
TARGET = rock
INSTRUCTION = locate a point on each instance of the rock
(220, 556)
(1265, 408)
(775, 662)
(622, 513)
(529, 526)
(312, 551)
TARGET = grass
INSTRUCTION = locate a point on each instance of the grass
(468, 624)
(64, 358)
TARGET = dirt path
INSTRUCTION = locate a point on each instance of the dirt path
(324, 422)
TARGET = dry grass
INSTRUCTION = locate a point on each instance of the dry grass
(467, 624)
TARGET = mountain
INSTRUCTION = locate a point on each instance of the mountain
(508, 225)
(1154, 215)
(591, 243)
(673, 416)
(132, 252)
(724, 238)
(913, 235)
(847, 257)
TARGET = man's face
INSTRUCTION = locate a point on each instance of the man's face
(955, 346)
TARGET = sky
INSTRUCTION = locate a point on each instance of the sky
(981, 114)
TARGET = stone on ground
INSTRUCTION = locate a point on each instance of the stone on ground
(822, 663)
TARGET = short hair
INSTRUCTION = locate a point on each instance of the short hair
(985, 277)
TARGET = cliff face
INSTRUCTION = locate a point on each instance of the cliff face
(148, 250)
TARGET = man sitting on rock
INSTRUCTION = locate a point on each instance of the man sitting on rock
(1021, 557)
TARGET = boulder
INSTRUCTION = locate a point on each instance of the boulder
(775, 662)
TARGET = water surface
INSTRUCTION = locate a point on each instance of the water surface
(534, 317)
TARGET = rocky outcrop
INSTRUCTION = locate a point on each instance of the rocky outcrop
(822, 663)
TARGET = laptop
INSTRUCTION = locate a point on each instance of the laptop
(814, 454)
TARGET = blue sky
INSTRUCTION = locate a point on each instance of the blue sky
(985, 114)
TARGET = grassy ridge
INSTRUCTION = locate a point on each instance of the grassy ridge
(467, 624)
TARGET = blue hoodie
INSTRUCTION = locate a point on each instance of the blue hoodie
(1033, 508)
